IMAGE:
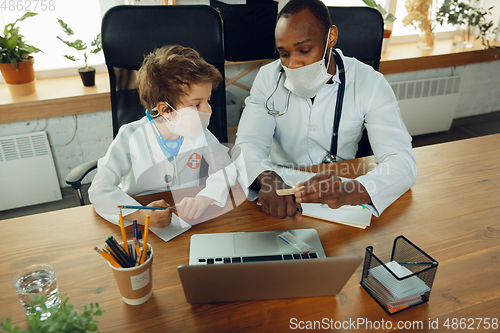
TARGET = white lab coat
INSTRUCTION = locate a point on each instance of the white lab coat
(302, 136)
(135, 165)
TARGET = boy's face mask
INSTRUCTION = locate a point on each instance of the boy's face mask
(188, 122)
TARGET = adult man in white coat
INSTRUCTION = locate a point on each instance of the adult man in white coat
(294, 101)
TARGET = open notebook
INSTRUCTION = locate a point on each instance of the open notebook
(177, 227)
(355, 216)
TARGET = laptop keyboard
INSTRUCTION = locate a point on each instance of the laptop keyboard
(278, 257)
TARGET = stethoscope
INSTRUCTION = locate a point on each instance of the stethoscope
(332, 156)
(276, 113)
(170, 153)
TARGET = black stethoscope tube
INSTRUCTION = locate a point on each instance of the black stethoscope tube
(338, 109)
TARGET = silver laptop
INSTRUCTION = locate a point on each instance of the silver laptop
(226, 267)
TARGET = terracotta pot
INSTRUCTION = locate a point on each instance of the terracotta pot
(24, 74)
(21, 81)
(88, 77)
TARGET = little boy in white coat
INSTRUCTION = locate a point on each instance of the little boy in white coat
(163, 150)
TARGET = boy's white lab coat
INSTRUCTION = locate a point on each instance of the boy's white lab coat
(135, 165)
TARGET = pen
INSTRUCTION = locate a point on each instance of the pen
(122, 228)
(146, 207)
(135, 228)
(118, 250)
(107, 257)
(145, 240)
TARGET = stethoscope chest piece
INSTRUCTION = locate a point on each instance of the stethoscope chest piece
(329, 159)
(168, 179)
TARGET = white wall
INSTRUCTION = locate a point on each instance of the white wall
(480, 93)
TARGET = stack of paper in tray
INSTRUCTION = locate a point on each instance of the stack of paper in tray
(395, 294)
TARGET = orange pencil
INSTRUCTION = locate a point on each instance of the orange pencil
(145, 240)
(113, 255)
(124, 234)
(106, 256)
(137, 251)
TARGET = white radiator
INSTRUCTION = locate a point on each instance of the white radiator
(427, 106)
(27, 171)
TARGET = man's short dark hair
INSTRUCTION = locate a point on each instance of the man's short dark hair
(316, 7)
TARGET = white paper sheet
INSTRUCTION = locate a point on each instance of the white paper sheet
(177, 227)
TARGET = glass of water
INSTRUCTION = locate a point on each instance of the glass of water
(38, 279)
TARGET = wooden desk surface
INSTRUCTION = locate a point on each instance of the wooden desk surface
(452, 213)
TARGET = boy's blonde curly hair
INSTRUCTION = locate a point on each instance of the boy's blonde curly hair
(168, 72)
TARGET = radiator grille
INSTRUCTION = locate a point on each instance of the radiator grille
(427, 106)
(27, 171)
(426, 88)
(14, 148)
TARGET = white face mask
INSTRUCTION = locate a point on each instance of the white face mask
(189, 122)
(308, 80)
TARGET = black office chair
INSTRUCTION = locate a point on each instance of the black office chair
(128, 34)
(361, 31)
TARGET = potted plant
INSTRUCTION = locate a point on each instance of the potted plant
(62, 319)
(87, 73)
(388, 18)
(466, 19)
(16, 64)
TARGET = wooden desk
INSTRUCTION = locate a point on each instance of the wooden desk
(452, 213)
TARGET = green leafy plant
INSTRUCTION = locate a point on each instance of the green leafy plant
(388, 17)
(13, 48)
(62, 319)
(79, 45)
(456, 12)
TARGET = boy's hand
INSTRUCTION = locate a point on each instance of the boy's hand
(157, 218)
(192, 208)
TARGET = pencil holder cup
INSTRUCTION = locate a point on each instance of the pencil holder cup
(135, 283)
(402, 283)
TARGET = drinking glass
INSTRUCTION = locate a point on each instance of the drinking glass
(38, 279)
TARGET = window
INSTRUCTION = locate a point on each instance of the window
(84, 18)
(400, 30)
(343, 3)
(397, 7)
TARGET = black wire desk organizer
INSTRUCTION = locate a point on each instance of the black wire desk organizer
(404, 282)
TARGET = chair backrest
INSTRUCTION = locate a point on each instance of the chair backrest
(361, 31)
(130, 32)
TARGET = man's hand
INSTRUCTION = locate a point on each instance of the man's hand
(157, 218)
(327, 188)
(272, 204)
(192, 208)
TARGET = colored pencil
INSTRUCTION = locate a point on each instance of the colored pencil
(145, 207)
(124, 234)
(145, 240)
(106, 256)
